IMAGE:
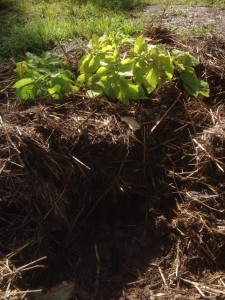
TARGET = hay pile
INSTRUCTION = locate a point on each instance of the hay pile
(62, 162)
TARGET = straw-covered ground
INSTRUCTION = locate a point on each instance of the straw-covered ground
(120, 214)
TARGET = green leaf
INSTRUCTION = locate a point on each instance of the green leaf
(135, 92)
(64, 83)
(109, 85)
(84, 59)
(140, 45)
(94, 64)
(85, 78)
(90, 64)
(166, 62)
(52, 62)
(74, 88)
(128, 62)
(105, 42)
(94, 42)
(184, 60)
(193, 85)
(21, 68)
(155, 50)
(32, 73)
(126, 67)
(151, 79)
(32, 57)
(47, 55)
(26, 92)
(93, 94)
(55, 89)
(127, 41)
(107, 49)
(128, 91)
(68, 73)
(41, 71)
(22, 82)
(108, 59)
(116, 53)
(102, 71)
(139, 71)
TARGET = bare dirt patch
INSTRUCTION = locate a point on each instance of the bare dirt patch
(189, 20)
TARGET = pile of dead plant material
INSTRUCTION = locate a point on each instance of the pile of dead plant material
(9, 276)
(62, 163)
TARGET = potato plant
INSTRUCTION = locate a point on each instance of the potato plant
(134, 74)
(43, 76)
(115, 66)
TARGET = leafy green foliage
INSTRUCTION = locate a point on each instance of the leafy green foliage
(43, 76)
(185, 64)
(116, 66)
(126, 69)
(104, 69)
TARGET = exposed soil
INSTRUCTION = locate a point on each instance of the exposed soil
(124, 215)
(189, 20)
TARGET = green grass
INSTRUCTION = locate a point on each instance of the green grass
(218, 3)
(29, 25)
(37, 25)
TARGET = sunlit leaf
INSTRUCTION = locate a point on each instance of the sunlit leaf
(129, 91)
(90, 64)
(41, 76)
(93, 94)
(139, 71)
(166, 63)
(26, 92)
(74, 88)
(151, 79)
(93, 42)
(109, 85)
(129, 73)
(126, 67)
(84, 78)
(94, 64)
(140, 45)
(184, 60)
(23, 82)
(102, 71)
(108, 59)
(55, 89)
(193, 85)
(21, 68)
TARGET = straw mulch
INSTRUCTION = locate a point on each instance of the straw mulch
(64, 163)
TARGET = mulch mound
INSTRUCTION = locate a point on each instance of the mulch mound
(75, 172)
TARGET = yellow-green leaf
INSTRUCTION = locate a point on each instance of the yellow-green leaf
(140, 45)
(23, 82)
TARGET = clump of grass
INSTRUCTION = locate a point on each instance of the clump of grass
(39, 24)
(119, 4)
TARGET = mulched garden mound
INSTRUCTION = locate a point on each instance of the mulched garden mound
(74, 175)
